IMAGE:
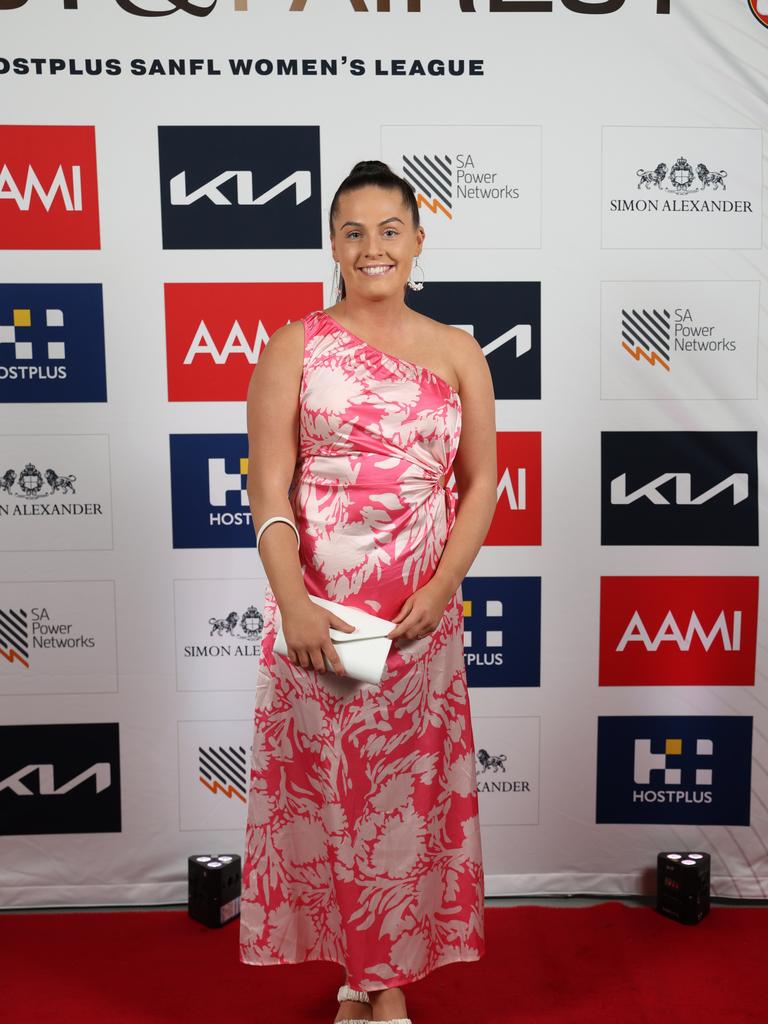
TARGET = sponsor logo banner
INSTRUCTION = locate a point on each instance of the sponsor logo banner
(502, 630)
(58, 637)
(507, 769)
(59, 779)
(240, 187)
(52, 343)
(48, 187)
(682, 188)
(678, 630)
(504, 317)
(215, 333)
(214, 768)
(210, 508)
(55, 492)
(518, 504)
(679, 339)
(219, 627)
(473, 183)
(679, 487)
(674, 770)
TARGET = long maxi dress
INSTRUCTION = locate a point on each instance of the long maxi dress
(362, 841)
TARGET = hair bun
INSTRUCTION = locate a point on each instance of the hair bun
(363, 168)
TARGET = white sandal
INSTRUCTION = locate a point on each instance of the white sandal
(345, 992)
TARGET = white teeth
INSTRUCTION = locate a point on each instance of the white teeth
(375, 270)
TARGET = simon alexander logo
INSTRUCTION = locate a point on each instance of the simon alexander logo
(665, 770)
(52, 343)
(210, 507)
(240, 187)
(48, 187)
(504, 317)
(502, 630)
(679, 487)
(215, 333)
(678, 630)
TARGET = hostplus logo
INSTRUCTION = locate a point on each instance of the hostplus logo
(502, 630)
(209, 477)
(669, 763)
(223, 771)
(52, 343)
(674, 770)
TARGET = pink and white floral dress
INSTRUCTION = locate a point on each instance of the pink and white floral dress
(362, 837)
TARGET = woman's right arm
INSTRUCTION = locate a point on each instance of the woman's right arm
(273, 434)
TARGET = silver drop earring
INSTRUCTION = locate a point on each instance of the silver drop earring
(416, 284)
(336, 283)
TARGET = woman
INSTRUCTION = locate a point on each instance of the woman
(363, 841)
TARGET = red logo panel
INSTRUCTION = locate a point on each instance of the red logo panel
(678, 630)
(518, 506)
(216, 332)
(48, 187)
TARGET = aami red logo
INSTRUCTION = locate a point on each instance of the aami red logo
(518, 491)
(48, 187)
(678, 630)
(216, 332)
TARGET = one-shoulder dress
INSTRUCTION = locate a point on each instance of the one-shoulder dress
(362, 842)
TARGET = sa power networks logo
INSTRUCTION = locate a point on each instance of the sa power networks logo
(472, 182)
(216, 332)
(209, 476)
(213, 773)
(52, 343)
(678, 630)
(760, 10)
(506, 769)
(48, 187)
(679, 339)
(679, 487)
(59, 779)
(502, 630)
(518, 491)
(57, 637)
(55, 492)
(219, 627)
(504, 317)
(682, 188)
(665, 770)
(244, 187)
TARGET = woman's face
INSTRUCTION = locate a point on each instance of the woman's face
(374, 241)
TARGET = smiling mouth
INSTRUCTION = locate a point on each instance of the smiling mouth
(377, 270)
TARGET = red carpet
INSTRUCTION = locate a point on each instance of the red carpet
(606, 963)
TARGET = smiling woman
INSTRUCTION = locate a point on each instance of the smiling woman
(362, 836)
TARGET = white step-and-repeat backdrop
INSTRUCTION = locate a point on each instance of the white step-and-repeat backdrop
(590, 175)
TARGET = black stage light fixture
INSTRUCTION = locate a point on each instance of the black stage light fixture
(682, 886)
(214, 888)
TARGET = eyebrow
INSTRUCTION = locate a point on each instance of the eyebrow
(357, 224)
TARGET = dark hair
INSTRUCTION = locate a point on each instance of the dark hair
(375, 172)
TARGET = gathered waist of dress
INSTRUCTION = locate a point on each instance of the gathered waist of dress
(372, 470)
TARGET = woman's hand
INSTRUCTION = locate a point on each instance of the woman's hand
(305, 628)
(422, 611)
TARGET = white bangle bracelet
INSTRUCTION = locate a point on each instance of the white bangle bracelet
(277, 519)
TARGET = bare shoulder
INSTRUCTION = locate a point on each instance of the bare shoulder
(282, 358)
(461, 351)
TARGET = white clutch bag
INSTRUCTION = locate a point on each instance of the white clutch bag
(362, 653)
